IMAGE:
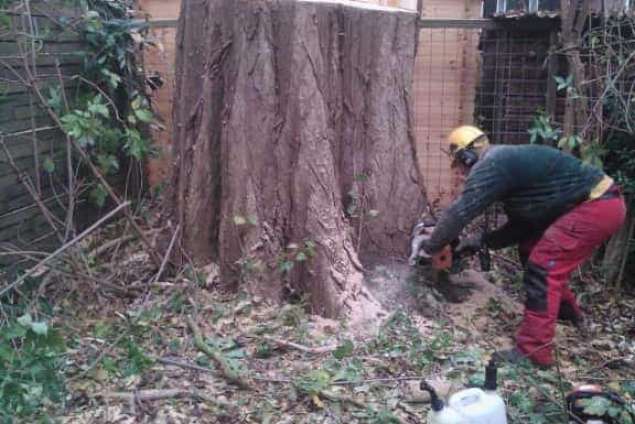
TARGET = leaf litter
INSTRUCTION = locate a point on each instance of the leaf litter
(133, 357)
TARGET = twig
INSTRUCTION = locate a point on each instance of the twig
(102, 92)
(185, 365)
(26, 182)
(168, 361)
(603, 364)
(100, 356)
(63, 248)
(168, 252)
(560, 382)
(306, 349)
(380, 380)
(69, 161)
(164, 262)
(98, 251)
(230, 374)
(342, 398)
(144, 395)
(586, 377)
(506, 259)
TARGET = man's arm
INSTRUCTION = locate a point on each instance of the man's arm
(485, 184)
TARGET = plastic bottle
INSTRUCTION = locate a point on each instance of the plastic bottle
(481, 406)
(470, 406)
(439, 413)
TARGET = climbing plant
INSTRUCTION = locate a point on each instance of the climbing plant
(109, 115)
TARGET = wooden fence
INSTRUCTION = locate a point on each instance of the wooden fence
(32, 149)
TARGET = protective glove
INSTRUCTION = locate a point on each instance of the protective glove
(470, 246)
(418, 249)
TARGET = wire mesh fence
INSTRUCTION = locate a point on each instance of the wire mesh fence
(495, 78)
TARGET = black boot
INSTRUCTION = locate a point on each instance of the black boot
(568, 314)
(515, 357)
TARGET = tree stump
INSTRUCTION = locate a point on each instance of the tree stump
(293, 143)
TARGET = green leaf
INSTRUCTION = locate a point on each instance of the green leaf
(239, 220)
(113, 79)
(55, 99)
(108, 163)
(136, 146)
(99, 195)
(300, 257)
(86, 141)
(14, 331)
(25, 320)
(343, 350)
(96, 107)
(144, 115)
(48, 165)
(136, 103)
(314, 382)
(40, 328)
(522, 401)
(563, 82)
(286, 266)
(597, 405)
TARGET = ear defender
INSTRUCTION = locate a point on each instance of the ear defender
(467, 157)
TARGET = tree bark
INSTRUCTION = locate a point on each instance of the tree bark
(293, 142)
(576, 115)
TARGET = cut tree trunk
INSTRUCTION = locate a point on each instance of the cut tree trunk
(617, 251)
(293, 142)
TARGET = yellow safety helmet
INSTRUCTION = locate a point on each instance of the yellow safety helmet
(461, 140)
(462, 137)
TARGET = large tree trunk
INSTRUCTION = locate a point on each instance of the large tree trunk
(293, 132)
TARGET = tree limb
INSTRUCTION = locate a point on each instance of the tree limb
(233, 376)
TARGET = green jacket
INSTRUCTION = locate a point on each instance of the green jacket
(536, 184)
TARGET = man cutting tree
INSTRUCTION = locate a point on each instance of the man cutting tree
(559, 210)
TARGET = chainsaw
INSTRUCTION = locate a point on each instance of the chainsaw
(448, 260)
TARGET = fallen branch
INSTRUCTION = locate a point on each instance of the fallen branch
(337, 397)
(63, 248)
(168, 361)
(342, 398)
(225, 368)
(168, 252)
(100, 250)
(144, 395)
(158, 394)
(306, 349)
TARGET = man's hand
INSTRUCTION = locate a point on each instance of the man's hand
(470, 245)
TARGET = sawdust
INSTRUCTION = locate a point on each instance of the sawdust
(463, 300)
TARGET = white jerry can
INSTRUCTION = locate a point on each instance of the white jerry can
(470, 406)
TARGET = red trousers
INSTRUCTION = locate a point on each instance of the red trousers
(566, 244)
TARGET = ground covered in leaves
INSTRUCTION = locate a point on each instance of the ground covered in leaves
(125, 351)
